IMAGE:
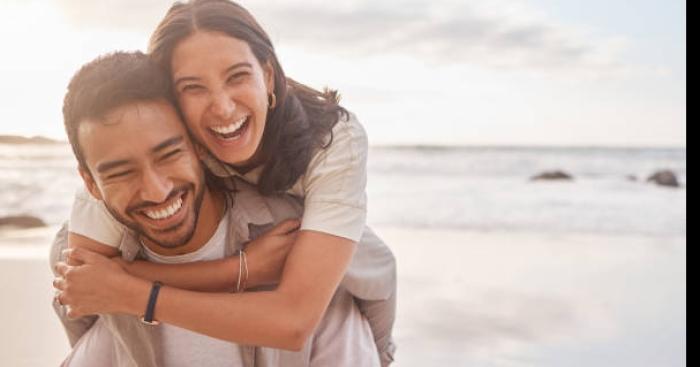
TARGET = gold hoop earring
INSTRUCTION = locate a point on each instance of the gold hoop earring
(271, 101)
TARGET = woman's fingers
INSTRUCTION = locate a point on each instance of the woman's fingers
(285, 227)
(59, 283)
(58, 298)
(61, 268)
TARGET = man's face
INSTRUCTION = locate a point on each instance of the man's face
(142, 165)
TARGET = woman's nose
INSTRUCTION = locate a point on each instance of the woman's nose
(223, 105)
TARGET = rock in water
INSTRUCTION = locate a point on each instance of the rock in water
(552, 175)
(22, 221)
(664, 178)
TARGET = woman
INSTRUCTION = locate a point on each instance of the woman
(282, 136)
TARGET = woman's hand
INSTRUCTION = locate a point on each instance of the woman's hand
(267, 254)
(93, 284)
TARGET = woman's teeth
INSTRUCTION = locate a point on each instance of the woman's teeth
(229, 130)
(165, 213)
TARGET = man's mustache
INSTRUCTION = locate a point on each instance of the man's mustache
(146, 204)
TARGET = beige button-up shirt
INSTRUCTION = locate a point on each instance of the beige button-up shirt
(138, 344)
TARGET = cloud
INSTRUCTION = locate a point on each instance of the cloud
(120, 15)
(508, 34)
(491, 33)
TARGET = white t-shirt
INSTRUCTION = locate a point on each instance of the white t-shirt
(186, 348)
(333, 189)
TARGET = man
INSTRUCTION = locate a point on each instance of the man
(135, 156)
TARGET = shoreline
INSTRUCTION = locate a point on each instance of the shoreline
(465, 298)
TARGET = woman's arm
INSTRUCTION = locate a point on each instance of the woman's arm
(265, 257)
(282, 318)
(78, 241)
(212, 276)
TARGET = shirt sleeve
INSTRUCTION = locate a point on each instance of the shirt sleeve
(335, 201)
(90, 218)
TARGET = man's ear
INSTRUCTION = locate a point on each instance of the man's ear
(90, 183)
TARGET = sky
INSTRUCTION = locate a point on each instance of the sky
(415, 72)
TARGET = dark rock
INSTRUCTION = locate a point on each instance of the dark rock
(22, 221)
(664, 178)
(631, 178)
(553, 175)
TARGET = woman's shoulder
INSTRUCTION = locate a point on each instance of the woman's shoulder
(348, 138)
(344, 154)
(349, 127)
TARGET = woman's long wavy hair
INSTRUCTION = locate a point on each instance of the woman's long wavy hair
(303, 118)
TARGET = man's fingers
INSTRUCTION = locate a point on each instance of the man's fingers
(285, 227)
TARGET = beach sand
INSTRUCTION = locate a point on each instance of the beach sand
(465, 299)
(31, 334)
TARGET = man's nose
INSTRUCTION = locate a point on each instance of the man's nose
(223, 105)
(156, 187)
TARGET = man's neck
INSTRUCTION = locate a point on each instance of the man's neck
(210, 214)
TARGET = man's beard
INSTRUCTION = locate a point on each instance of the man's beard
(178, 242)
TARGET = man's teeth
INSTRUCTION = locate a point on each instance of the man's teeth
(228, 129)
(165, 213)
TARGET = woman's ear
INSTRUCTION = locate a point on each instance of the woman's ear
(90, 183)
(269, 73)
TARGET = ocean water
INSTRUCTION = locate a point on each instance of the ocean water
(473, 188)
(493, 269)
(489, 189)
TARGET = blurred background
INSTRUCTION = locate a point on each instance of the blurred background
(512, 143)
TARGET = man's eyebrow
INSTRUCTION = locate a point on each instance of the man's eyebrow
(168, 143)
(106, 166)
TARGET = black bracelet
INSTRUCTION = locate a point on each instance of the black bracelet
(147, 318)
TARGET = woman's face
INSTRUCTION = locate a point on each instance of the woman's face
(223, 92)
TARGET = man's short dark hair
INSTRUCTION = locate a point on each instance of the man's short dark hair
(109, 82)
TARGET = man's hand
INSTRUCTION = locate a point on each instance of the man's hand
(268, 253)
(95, 285)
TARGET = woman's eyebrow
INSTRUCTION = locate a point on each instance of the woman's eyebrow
(237, 66)
(185, 79)
(228, 70)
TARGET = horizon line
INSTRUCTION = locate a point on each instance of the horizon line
(403, 145)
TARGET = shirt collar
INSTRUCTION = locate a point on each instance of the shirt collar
(221, 169)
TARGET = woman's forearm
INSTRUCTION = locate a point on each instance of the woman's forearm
(205, 276)
(283, 318)
(265, 258)
(273, 318)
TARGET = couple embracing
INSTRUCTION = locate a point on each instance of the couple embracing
(223, 217)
